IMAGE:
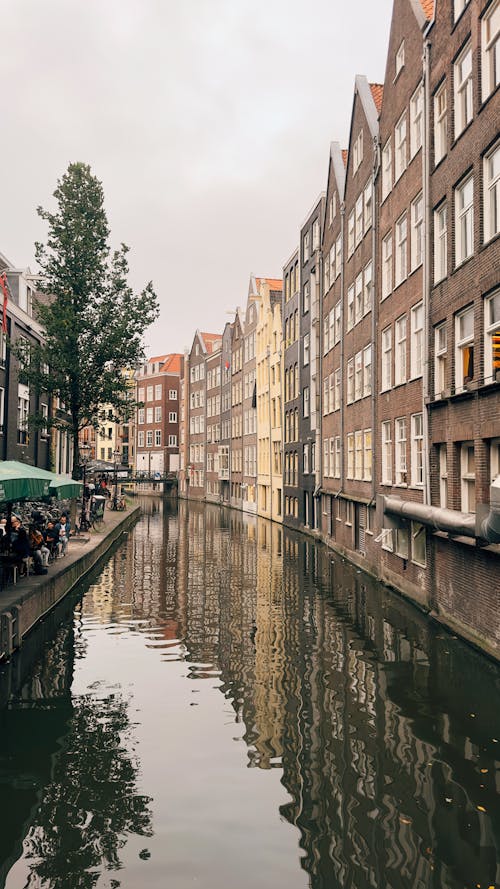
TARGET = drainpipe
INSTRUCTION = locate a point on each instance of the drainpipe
(426, 271)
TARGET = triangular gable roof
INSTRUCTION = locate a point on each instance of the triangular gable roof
(363, 89)
(336, 168)
(207, 340)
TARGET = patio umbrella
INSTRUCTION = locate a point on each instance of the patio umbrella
(19, 481)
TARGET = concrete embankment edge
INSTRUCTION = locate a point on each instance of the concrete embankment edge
(17, 619)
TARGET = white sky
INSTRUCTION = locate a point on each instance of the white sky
(207, 121)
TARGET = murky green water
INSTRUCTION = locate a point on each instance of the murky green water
(231, 706)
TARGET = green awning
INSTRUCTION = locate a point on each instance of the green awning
(20, 481)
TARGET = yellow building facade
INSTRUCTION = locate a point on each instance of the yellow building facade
(269, 360)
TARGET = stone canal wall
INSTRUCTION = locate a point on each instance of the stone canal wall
(23, 604)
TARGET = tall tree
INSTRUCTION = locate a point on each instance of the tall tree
(94, 322)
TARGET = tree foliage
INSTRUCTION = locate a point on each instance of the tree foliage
(94, 322)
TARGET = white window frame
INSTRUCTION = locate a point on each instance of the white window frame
(418, 538)
(440, 243)
(443, 475)
(350, 381)
(387, 265)
(367, 288)
(417, 340)
(440, 123)
(463, 89)
(386, 437)
(400, 351)
(172, 394)
(491, 327)
(357, 153)
(464, 220)
(463, 340)
(467, 477)
(417, 450)
(399, 61)
(401, 468)
(401, 258)
(400, 147)
(416, 120)
(440, 359)
(386, 348)
(491, 191)
(490, 50)
(387, 169)
(458, 8)
(367, 455)
(417, 232)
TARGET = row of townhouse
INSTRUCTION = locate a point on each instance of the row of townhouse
(46, 448)
(359, 397)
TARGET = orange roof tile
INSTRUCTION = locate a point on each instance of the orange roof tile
(274, 283)
(172, 364)
(345, 155)
(428, 8)
(377, 93)
(209, 339)
(159, 358)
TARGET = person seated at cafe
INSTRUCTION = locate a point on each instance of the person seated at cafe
(20, 546)
(51, 536)
(63, 529)
(37, 544)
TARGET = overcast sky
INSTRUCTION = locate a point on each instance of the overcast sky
(207, 121)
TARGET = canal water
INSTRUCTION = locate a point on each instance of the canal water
(227, 704)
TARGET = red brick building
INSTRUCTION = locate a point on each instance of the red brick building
(157, 420)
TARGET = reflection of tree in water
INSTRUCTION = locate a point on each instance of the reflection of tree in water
(92, 803)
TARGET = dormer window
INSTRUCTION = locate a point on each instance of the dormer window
(400, 58)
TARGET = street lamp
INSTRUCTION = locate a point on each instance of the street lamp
(85, 454)
(116, 455)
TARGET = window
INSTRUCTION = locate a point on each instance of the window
(336, 400)
(400, 363)
(23, 409)
(464, 348)
(417, 231)
(418, 537)
(358, 455)
(492, 192)
(350, 307)
(440, 359)
(357, 152)
(443, 476)
(158, 413)
(140, 394)
(44, 410)
(386, 359)
(400, 58)
(401, 249)
(158, 389)
(417, 450)
(3, 348)
(306, 246)
(332, 208)
(490, 55)
(400, 147)
(387, 265)
(367, 371)
(337, 322)
(358, 297)
(440, 243)
(149, 415)
(158, 438)
(305, 459)
(140, 416)
(492, 328)
(172, 417)
(315, 232)
(149, 438)
(350, 455)
(468, 477)
(358, 375)
(367, 288)
(172, 441)
(337, 456)
(350, 381)
(368, 201)
(307, 296)
(494, 459)
(464, 221)
(417, 340)
(359, 220)
(307, 337)
(350, 234)
(401, 538)
(305, 394)
(326, 458)
(386, 453)
(338, 256)
(416, 120)
(386, 169)
(401, 451)
(149, 393)
(140, 439)
(367, 455)
(440, 124)
(463, 89)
